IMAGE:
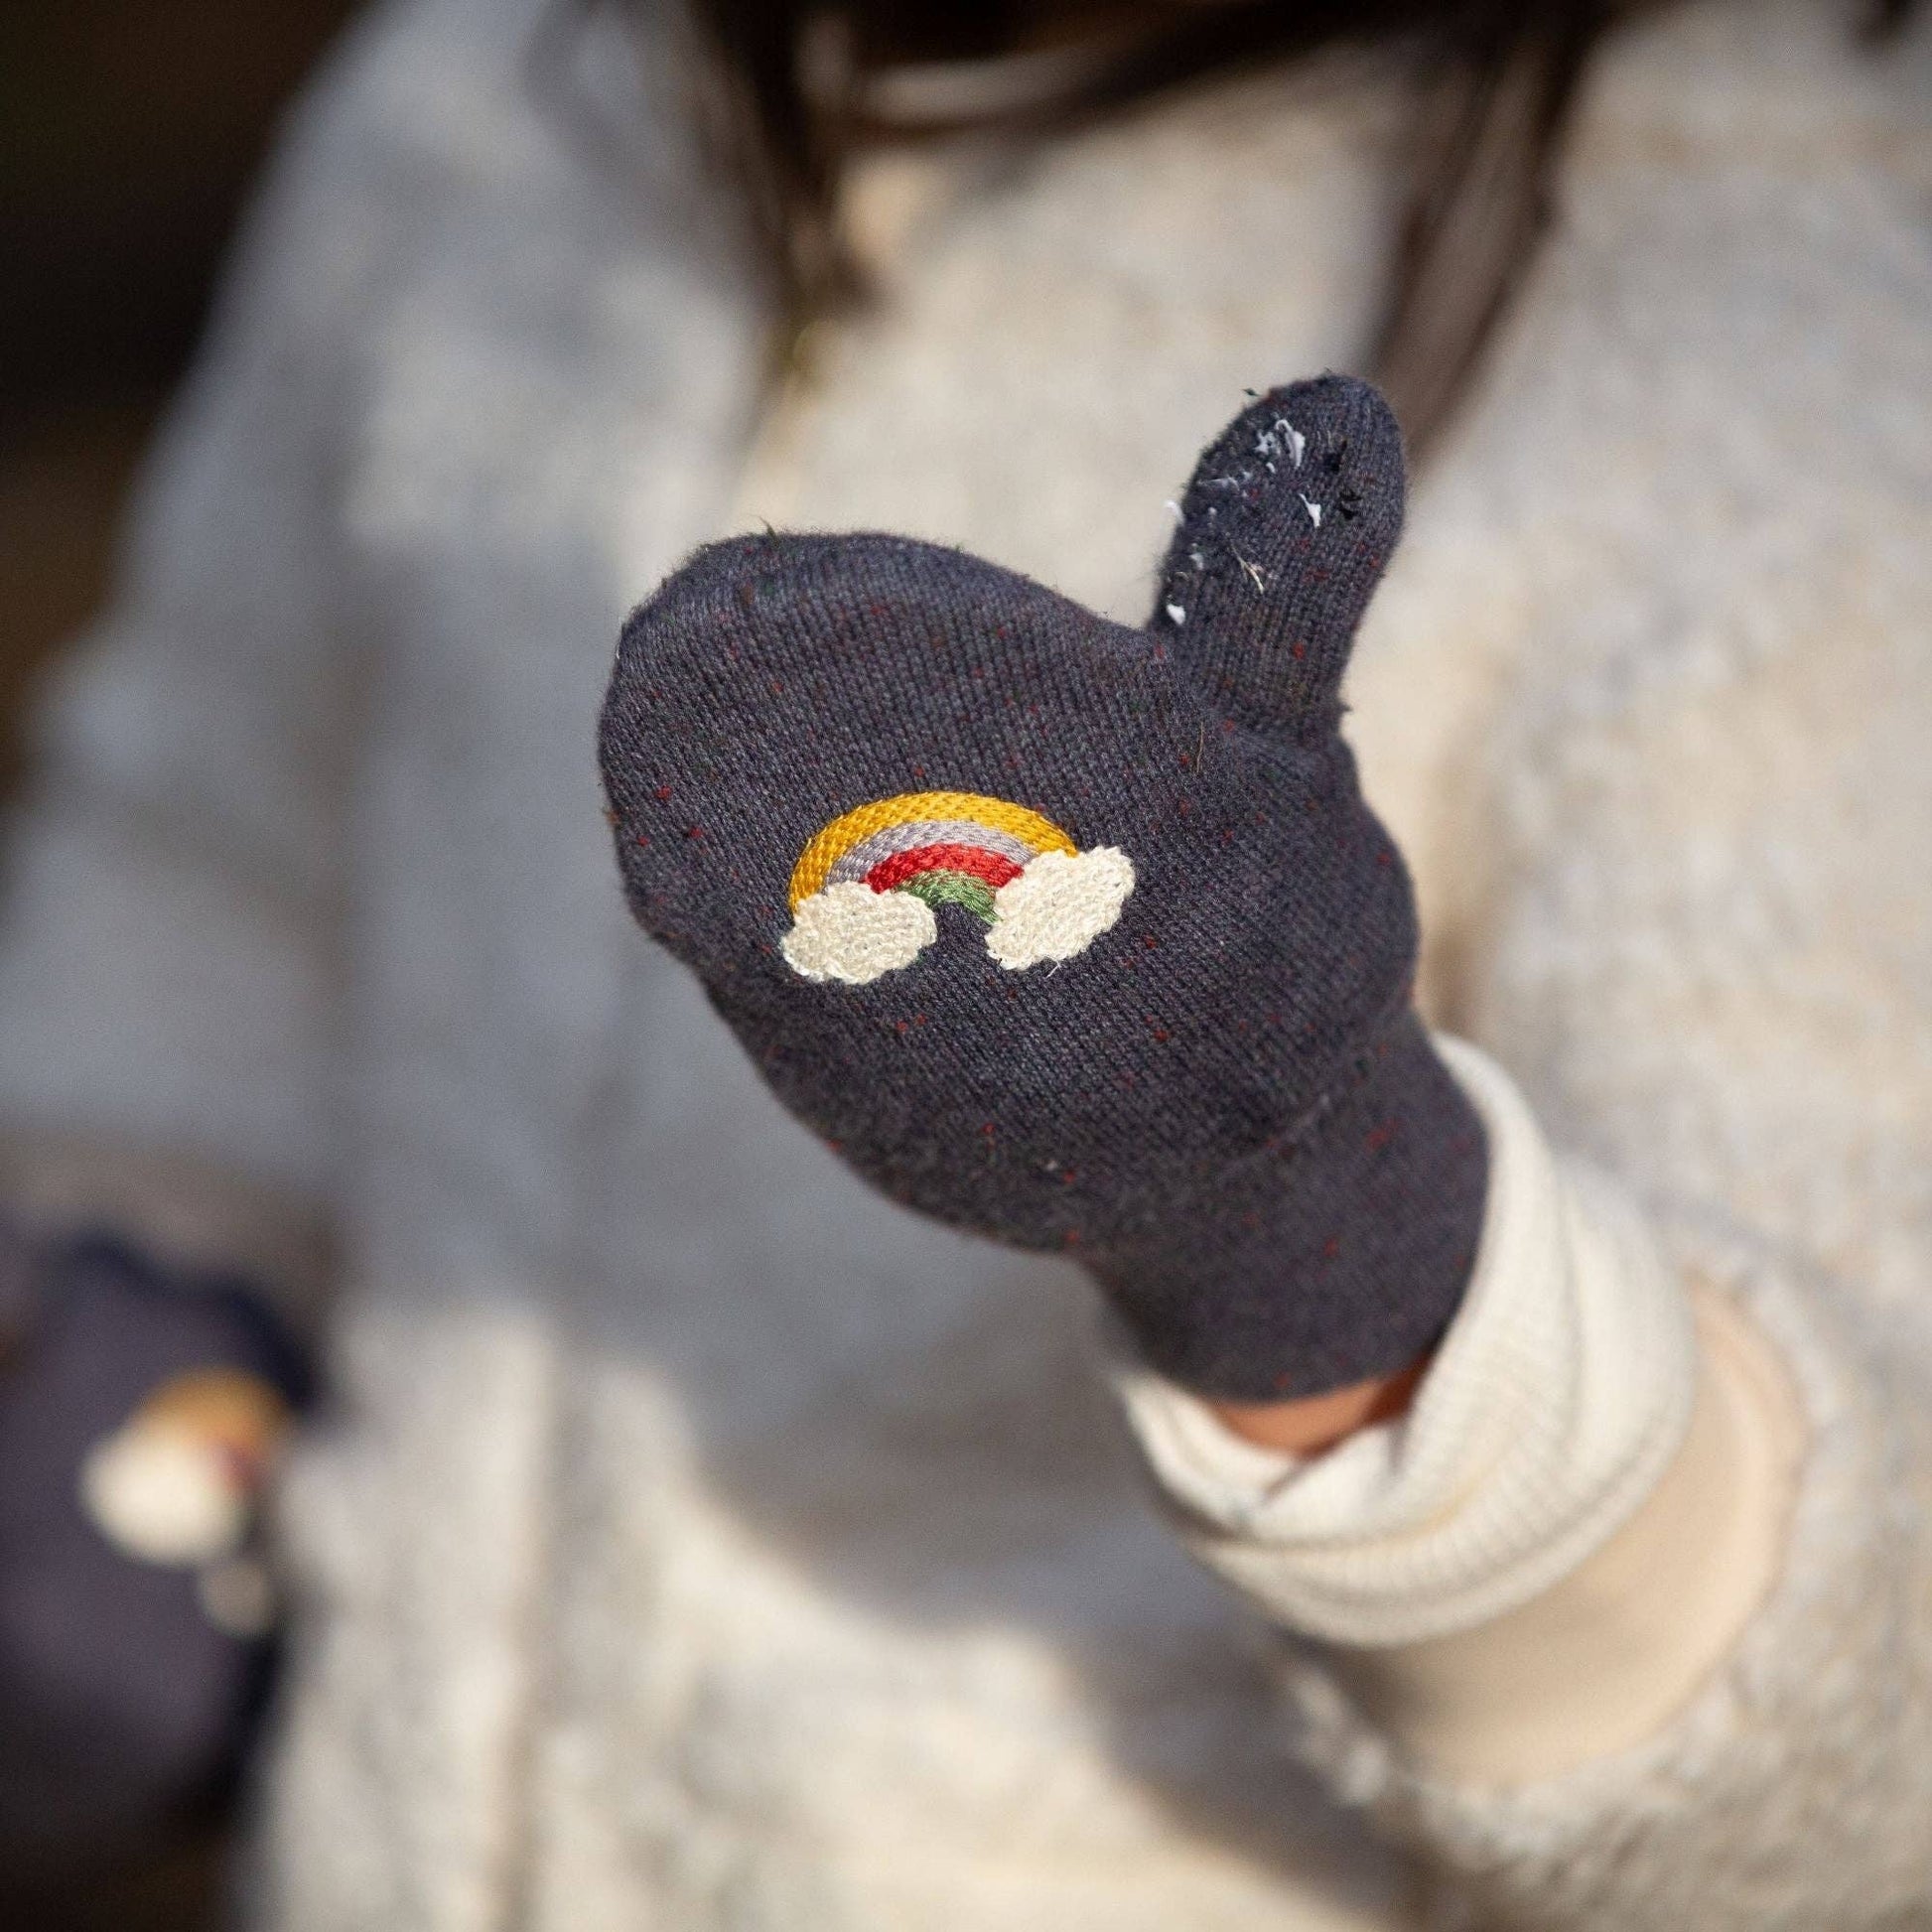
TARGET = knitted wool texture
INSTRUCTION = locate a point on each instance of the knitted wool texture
(1170, 1034)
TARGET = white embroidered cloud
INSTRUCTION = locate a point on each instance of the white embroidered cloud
(1059, 906)
(850, 932)
(162, 1494)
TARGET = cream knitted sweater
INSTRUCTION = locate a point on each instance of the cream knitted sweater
(703, 1542)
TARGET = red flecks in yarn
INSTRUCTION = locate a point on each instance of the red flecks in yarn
(1332, 1248)
(1380, 1137)
(662, 794)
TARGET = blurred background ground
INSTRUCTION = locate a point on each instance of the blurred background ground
(129, 133)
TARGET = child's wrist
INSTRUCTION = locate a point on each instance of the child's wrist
(1546, 1416)
(1308, 1425)
(1333, 1258)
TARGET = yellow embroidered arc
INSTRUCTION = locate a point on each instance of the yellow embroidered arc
(833, 841)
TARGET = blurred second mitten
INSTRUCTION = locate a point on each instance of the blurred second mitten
(140, 1413)
(1077, 935)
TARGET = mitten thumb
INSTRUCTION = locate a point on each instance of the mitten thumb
(1288, 521)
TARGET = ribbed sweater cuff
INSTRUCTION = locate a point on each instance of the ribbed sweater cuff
(1554, 1404)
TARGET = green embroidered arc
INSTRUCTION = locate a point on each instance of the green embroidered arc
(939, 889)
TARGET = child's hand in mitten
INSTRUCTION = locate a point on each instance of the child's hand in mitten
(140, 1411)
(1076, 935)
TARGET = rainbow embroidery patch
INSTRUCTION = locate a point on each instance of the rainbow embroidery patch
(866, 889)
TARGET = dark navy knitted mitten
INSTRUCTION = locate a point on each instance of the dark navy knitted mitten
(140, 1411)
(1076, 935)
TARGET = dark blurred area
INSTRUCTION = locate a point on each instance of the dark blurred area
(129, 134)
